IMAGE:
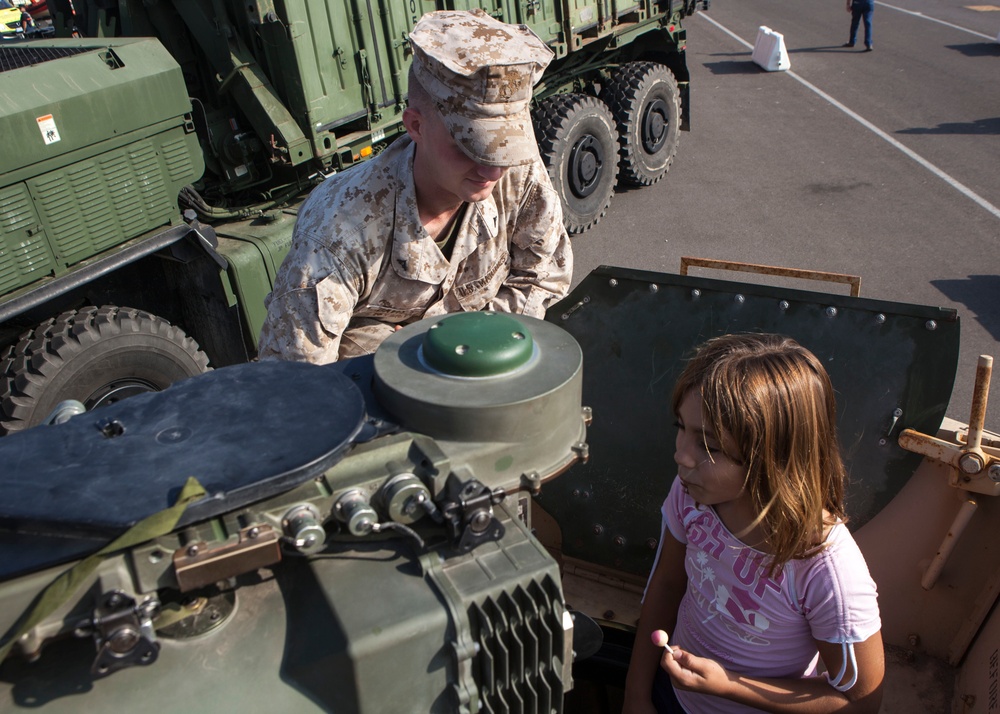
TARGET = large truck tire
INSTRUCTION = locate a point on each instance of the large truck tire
(645, 102)
(578, 143)
(96, 355)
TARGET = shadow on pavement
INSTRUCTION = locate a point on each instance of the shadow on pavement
(733, 67)
(836, 49)
(977, 49)
(979, 126)
(979, 295)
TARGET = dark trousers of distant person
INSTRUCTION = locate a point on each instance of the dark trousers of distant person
(861, 10)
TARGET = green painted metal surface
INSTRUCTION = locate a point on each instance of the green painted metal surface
(892, 366)
(478, 344)
(98, 203)
(254, 249)
(24, 251)
(104, 146)
(112, 90)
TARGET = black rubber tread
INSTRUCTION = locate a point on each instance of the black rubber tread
(630, 91)
(562, 121)
(79, 353)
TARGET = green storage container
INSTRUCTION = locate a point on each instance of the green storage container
(103, 145)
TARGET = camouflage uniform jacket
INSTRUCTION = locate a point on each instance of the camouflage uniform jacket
(361, 262)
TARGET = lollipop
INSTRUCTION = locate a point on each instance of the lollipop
(660, 638)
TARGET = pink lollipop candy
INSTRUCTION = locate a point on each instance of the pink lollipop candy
(660, 639)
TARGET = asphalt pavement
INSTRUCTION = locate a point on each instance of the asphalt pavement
(884, 165)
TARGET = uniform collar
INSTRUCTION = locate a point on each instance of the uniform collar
(415, 255)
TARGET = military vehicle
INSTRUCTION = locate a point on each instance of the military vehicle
(162, 157)
(463, 521)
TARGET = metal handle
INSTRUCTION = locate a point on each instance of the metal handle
(853, 280)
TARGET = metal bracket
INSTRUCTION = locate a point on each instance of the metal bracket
(974, 467)
(123, 633)
(196, 565)
(469, 514)
(853, 280)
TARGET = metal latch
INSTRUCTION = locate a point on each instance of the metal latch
(123, 633)
(196, 565)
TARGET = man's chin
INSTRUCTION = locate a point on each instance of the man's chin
(480, 192)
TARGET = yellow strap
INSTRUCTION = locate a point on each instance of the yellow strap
(60, 590)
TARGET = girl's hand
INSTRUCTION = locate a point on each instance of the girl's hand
(697, 674)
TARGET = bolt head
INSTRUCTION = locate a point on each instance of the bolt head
(970, 463)
(480, 522)
(123, 640)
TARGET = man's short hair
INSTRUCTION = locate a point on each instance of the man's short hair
(417, 97)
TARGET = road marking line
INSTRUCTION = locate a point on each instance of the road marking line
(922, 16)
(953, 182)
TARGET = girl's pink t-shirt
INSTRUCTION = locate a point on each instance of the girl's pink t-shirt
(753, 624)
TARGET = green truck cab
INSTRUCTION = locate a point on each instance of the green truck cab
(161, 159)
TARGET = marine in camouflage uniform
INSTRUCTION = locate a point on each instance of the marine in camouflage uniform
(362, 261)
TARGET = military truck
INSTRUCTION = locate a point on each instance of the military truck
(161, 158)
(463, 521)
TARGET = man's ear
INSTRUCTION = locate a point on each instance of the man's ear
(413, 120)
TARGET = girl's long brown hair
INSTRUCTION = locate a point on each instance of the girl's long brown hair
(775, 400)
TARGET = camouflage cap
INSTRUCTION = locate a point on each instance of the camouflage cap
(480, 71)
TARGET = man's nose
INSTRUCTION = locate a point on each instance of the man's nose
(491, 173)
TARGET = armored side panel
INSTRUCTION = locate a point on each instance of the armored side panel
(892, 365)
(104, 145)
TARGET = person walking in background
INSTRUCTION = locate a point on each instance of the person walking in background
(26, 21)
(861, 10)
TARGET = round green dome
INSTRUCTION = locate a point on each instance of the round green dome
(477, 344)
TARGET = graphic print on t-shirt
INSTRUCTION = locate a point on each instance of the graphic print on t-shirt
(739, 606)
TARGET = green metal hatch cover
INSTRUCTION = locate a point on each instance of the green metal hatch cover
(478, 344)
